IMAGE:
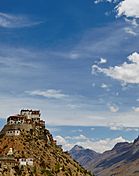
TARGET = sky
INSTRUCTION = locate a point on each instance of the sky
(77, 61)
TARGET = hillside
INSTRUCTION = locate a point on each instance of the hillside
(122, 160)
(33, 152)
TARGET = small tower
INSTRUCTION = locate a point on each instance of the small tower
(10, 152)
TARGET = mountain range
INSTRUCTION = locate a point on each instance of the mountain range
(122, 160)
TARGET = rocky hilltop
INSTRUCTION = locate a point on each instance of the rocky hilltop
(122, 160)
(28, 149)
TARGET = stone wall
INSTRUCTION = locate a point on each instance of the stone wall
(6, 128)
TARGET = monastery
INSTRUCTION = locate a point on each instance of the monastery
(27, 148)
(27, 120)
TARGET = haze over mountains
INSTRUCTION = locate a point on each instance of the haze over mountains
(122, 160)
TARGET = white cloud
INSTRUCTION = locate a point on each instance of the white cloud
(129, 119)
(127, 72)
(81, 137)
(62, 141)
(132, 129)
(104, 86)
(136, 109)
(132, 22)
(50, 93)
(119, 128)
(74, 55)
(92, 129)
(15, 21)
(113, 108)
(130, 31)
(102, 61)
(96, 145)
(73, 106)
(52, 130)
(137, 99)
(115, 128)
(77, 130)
(128, 8)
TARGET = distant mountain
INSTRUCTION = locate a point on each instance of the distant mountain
(122, 160)
(82, 155)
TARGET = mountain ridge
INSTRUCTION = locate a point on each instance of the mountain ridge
(82, 155)
(121, 160)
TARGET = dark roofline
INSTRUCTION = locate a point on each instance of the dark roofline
(15, 117)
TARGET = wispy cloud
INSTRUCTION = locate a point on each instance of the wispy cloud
(105, 86)
(73, 106)
(77, 131)
(50, 93)
(99, 1)
(130, 31)
(136, 109)
(57, 113)
(110, 40)
(115, 127)
(132, 22)
(53, 129)
(113, 108)
(16, 21)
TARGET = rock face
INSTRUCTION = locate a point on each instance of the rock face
(122, 160)
(32, 151)
(83, 156)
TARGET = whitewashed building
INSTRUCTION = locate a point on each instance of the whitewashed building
(22, 162)
(29, 161)
(13, 132)
(26, 161)
(30, 114)
(17, 119)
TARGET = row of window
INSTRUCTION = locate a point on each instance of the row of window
(16, 122)
(14, 131)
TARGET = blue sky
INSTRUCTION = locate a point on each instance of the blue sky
(76, 60)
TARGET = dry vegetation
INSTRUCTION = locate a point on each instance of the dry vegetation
(49, 159)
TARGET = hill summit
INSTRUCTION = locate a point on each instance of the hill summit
(28, 149)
